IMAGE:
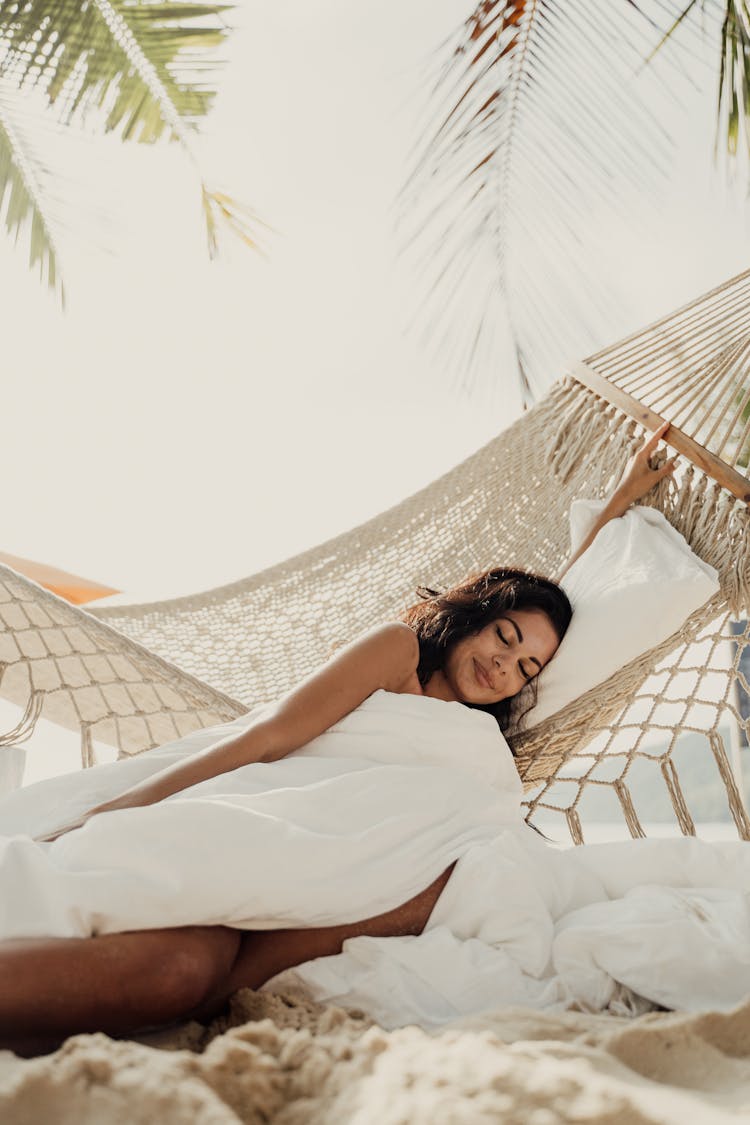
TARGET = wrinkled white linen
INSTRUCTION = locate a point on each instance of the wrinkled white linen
(598, 927)
(353, 824)
(360, 820)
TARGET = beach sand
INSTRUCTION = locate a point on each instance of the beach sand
(287, 1061)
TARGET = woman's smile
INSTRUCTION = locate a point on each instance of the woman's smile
(481, 676)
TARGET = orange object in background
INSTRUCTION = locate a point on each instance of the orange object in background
(69, 586)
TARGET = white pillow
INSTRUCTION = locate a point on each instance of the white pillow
(634, 586)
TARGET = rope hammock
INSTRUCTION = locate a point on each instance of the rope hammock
(138, 676)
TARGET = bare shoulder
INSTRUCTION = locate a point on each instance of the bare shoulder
(393, 650)
(385, 657)
(395, 635)
(393, 643)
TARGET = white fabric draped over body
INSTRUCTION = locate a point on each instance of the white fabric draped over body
(357, 822)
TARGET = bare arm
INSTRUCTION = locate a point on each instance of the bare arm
(639, 478)
(383, 658)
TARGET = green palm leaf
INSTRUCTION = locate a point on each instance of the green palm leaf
(141, 63)
(545, 133)
(734, 74)
(138, 68)
(26, 199)
(733, 103)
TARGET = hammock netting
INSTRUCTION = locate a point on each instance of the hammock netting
(137, 676)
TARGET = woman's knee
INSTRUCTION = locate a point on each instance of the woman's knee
(191, 968)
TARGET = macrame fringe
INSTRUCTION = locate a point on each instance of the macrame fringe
(736, 806)
(716, 527)
(25, 728)
(689, 501)
(628, 810)
(574, 826)
(593, 439)
(738, 574)
(564, 405)
(615, 448)
(88, 757)
(580, 428)
(677, 797)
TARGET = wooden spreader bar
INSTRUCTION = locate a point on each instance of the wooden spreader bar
(710, 464)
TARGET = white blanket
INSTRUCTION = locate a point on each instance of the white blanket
(360, 820)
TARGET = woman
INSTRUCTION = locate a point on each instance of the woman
(481, 644)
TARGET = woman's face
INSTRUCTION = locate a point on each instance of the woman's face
(497, 662)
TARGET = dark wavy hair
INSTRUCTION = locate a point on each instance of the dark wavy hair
(441, 619)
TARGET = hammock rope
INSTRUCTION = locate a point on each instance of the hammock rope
(140, 675)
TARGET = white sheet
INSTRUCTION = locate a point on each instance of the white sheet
(355, 823)
(360, 820)
(599, 927)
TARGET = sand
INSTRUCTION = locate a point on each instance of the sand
(290, 1062)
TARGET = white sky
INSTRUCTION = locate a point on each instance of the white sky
(186, 423)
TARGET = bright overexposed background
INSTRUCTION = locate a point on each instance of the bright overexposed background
(185, 423)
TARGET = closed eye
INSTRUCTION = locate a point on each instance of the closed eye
(524, 672)
(526, 675)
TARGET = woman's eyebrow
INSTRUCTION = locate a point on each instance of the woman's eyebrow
(533, 659)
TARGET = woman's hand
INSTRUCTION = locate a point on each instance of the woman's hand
(639, 476)
(48, 839)
(110, 806)
(638, 479)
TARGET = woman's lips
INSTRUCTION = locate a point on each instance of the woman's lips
(481, 675)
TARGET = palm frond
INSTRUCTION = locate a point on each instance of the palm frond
(26, 200)
(220, 207)
(544, 132)
(139, 62)
(733, 101)
(733, 111)
(140, 69)
(672, 28)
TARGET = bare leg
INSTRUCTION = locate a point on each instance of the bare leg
(54, 987)
(264, 953)
(119, 983)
